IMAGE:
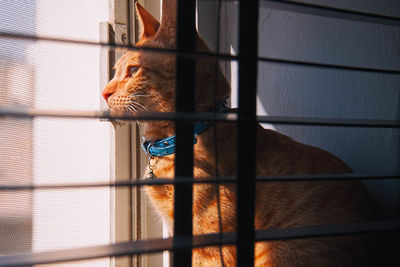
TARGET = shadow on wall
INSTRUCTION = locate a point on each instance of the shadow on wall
(312, 92)
(287, 90)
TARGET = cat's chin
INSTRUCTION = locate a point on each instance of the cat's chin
(119, 114)
(120, 123)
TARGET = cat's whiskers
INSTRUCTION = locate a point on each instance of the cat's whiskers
(140, 95)
(131, 108)
(134, 104)
(140, 106)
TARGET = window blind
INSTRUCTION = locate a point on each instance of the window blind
(246, 119)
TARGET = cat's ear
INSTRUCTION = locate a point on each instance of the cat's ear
(167, 33)
(149, 24)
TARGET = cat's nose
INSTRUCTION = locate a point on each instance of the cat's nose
(107, 93)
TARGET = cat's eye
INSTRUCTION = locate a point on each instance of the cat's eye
(133, 70)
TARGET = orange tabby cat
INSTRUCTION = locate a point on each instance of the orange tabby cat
(146, 81)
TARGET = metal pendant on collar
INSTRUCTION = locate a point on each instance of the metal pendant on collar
(151, 166)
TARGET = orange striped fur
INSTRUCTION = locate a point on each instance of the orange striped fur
(152, 88)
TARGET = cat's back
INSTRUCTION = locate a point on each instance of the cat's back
(279, 154)
(325, 201)
(304, 203)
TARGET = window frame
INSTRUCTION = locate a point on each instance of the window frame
(132, 217)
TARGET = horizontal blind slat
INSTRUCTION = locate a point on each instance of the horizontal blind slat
(202, 116)
(157, 245)
(333, 12)
(204, 180)
(220, 56)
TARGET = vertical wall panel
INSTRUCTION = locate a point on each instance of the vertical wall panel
(311, 92)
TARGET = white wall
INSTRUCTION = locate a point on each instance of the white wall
(65, 151)
(286, 90)
(61, 76)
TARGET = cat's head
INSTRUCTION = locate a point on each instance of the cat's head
(145, 81)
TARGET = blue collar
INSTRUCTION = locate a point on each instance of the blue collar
(166, 146)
